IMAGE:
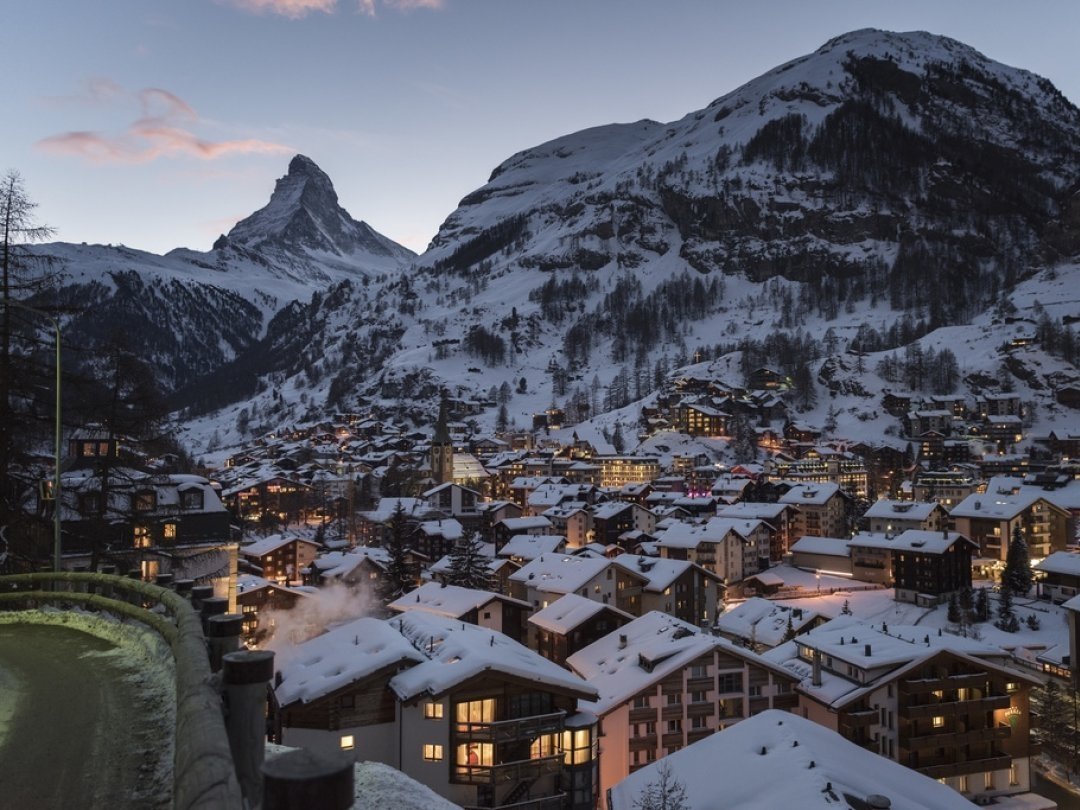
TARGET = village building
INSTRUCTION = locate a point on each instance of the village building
(822, 510)
(280, 558)
(892, 517)
(492, 611)
(573, 622)
(664, 684)
(472, 714)
(924, 567)
(945, 706)
(782, 760)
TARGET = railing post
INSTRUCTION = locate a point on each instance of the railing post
(199, 593)
(247, 674)
(223, 636)
(183, 587)
(214, 606)
(302, 779)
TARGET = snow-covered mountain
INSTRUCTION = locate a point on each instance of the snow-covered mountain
(889, 190)
(191, 311)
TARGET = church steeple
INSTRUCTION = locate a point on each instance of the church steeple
(442, 448)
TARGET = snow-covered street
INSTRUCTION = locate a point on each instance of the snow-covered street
(76, 729)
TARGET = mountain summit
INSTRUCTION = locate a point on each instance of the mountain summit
(304, 215)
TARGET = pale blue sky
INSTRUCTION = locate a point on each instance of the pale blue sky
(158, 123)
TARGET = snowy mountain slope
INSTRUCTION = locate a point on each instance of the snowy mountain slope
(879, 191)
(195, 311)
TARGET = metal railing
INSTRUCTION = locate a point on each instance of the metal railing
(204, 777)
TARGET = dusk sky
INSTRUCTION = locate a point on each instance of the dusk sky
(159, 123)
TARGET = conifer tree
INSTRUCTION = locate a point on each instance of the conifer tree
(468, 565)
(1017, 575)
(399, 577)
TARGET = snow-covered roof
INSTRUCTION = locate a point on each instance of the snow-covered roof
(891, 648)
(917, 540)
(691, 535)
(609, 509)
(449, 528)
(810, 494)
(569, 611)
(272, 543)
(994, 505)
(748, 509)
(1060, 562)
(454, 652)
(642, 652)
(560, 573)
(763, 620)
(834, 546)
(659, 572)
(452, 601)
(531, 546)
(820, 770)
(341, 563)
(901, 510)
(523, 524)
(348, 653)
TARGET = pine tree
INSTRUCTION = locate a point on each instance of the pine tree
(399, 577)
(789, 631)
(953, 615)
(1017, 576)
(1006, 620)
(468, 565)
(846, 609)
(982, 606)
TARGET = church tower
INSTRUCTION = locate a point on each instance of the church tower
(442, 449)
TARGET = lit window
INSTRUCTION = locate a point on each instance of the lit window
(964, 787)
(1011, 687)
(169, 531)
(142, 537)
(433, 753)
(348, 742)
(433, 711)
(939, 722)
(988, 780)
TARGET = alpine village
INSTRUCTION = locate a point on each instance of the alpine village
(726, 462)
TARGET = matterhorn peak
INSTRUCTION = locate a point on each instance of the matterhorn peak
(304, 216)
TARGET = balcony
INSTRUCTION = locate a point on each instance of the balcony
(956, 738)
(944, 767)
(504, 731)
(951, 708)
(924, 685)
(860, 719)
(506, 772)
(642, 715)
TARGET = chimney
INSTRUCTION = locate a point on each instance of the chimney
(866, 650)
(816, 678)
(876, 801)
(622, 641)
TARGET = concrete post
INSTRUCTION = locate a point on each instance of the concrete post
(303, 779)
(247, 674)
(213, 606)
(200, 592)
(183, 587)
(223, 636)
(164, 580)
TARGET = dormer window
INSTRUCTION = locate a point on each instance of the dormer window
(191, 499)
(144, 501)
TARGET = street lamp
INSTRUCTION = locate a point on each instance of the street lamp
(57, 431)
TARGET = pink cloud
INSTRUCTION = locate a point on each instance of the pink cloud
(295, 9)
(162, 131)
(286, 8)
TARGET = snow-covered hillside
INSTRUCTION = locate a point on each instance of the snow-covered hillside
(886, 191)
(192, 312)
